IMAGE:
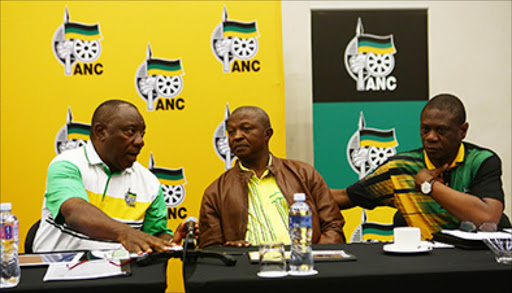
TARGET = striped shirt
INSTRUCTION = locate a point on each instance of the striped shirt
(132, 196)
(475, 170)
(268, 210)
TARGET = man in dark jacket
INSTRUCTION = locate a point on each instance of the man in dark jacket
(249, 203)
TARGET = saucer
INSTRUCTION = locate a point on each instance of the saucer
(423, 247)
(272, 274)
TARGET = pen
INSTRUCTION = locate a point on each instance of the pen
(76, 264)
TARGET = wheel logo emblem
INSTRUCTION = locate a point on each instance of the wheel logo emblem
(370, 59)
(234, 40)
(158, 77)
(73, 42)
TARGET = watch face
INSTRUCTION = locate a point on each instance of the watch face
(426, 187)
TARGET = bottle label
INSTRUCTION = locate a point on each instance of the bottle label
(300, 221)
(7, 231)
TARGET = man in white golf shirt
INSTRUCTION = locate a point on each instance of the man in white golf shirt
(99, 197)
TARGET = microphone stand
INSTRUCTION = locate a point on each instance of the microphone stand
(189, 254)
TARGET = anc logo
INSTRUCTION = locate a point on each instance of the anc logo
(370, 147)
(367, 149)
(75, 42)
(72, 135)
(369, 59)
(130, 198)
(172, 182)
(235, 40)
(157, 78)
(220, 141)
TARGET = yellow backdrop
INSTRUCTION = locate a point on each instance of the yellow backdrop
(183, 64)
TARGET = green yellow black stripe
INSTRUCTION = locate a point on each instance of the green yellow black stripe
(78, 131)
(378, 229)
(239, 29)
(169, 176)
(370, 137)
(80, 31)
(164, 67)
(375, 45)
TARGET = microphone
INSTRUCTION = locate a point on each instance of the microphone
(190, 223)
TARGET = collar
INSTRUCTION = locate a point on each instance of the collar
(457, 161)
(243, 168)
(94, 159)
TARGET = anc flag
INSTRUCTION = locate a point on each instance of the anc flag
(163, 67)
(378, 229)
(377, 138)
(80, 31)
(243, 30)
(375, 44)
(78, 131)
(169, 176)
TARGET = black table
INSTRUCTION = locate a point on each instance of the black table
(150, 278)
(441, 270)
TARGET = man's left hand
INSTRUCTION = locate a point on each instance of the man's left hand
(181, 233)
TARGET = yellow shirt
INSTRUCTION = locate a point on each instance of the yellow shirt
(268, 210)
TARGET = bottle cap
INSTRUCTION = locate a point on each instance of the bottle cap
(5, 206)
(299, 197)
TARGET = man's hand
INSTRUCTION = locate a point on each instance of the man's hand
(139, 242)
(181, 233)
(425, 175)
(238, 243)
(93, 222)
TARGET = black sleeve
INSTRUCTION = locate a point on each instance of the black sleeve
(487, 182)
(374, 190)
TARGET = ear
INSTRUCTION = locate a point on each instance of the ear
(100, 131)
(463, 130)
(268, 133)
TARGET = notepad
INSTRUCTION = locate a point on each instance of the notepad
(92, 269)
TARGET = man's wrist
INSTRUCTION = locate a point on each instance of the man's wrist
(428, 185)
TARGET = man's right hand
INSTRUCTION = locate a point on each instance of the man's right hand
(140, 242)
(93, 222)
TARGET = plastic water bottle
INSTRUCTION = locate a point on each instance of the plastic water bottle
(9, 235)
(301, 232)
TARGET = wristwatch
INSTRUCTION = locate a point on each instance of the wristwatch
(426, 187)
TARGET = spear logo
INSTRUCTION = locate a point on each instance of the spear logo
(72, 135)
(220, 141)
(73, 42)
(157, 77)
(172, 182)
(369, 59)
(366, 150)
(234, 40)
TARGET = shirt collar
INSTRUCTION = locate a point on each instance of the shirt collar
(457, 161)
(94, 159)
(254, 173)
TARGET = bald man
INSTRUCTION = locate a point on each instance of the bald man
(99, 197)
(249, 203)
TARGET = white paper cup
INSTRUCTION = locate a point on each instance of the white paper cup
(407, 237)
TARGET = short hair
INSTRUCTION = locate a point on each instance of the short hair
(105, 111)
(448, 102)
(262, 115)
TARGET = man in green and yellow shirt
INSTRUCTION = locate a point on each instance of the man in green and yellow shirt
(440, 185)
